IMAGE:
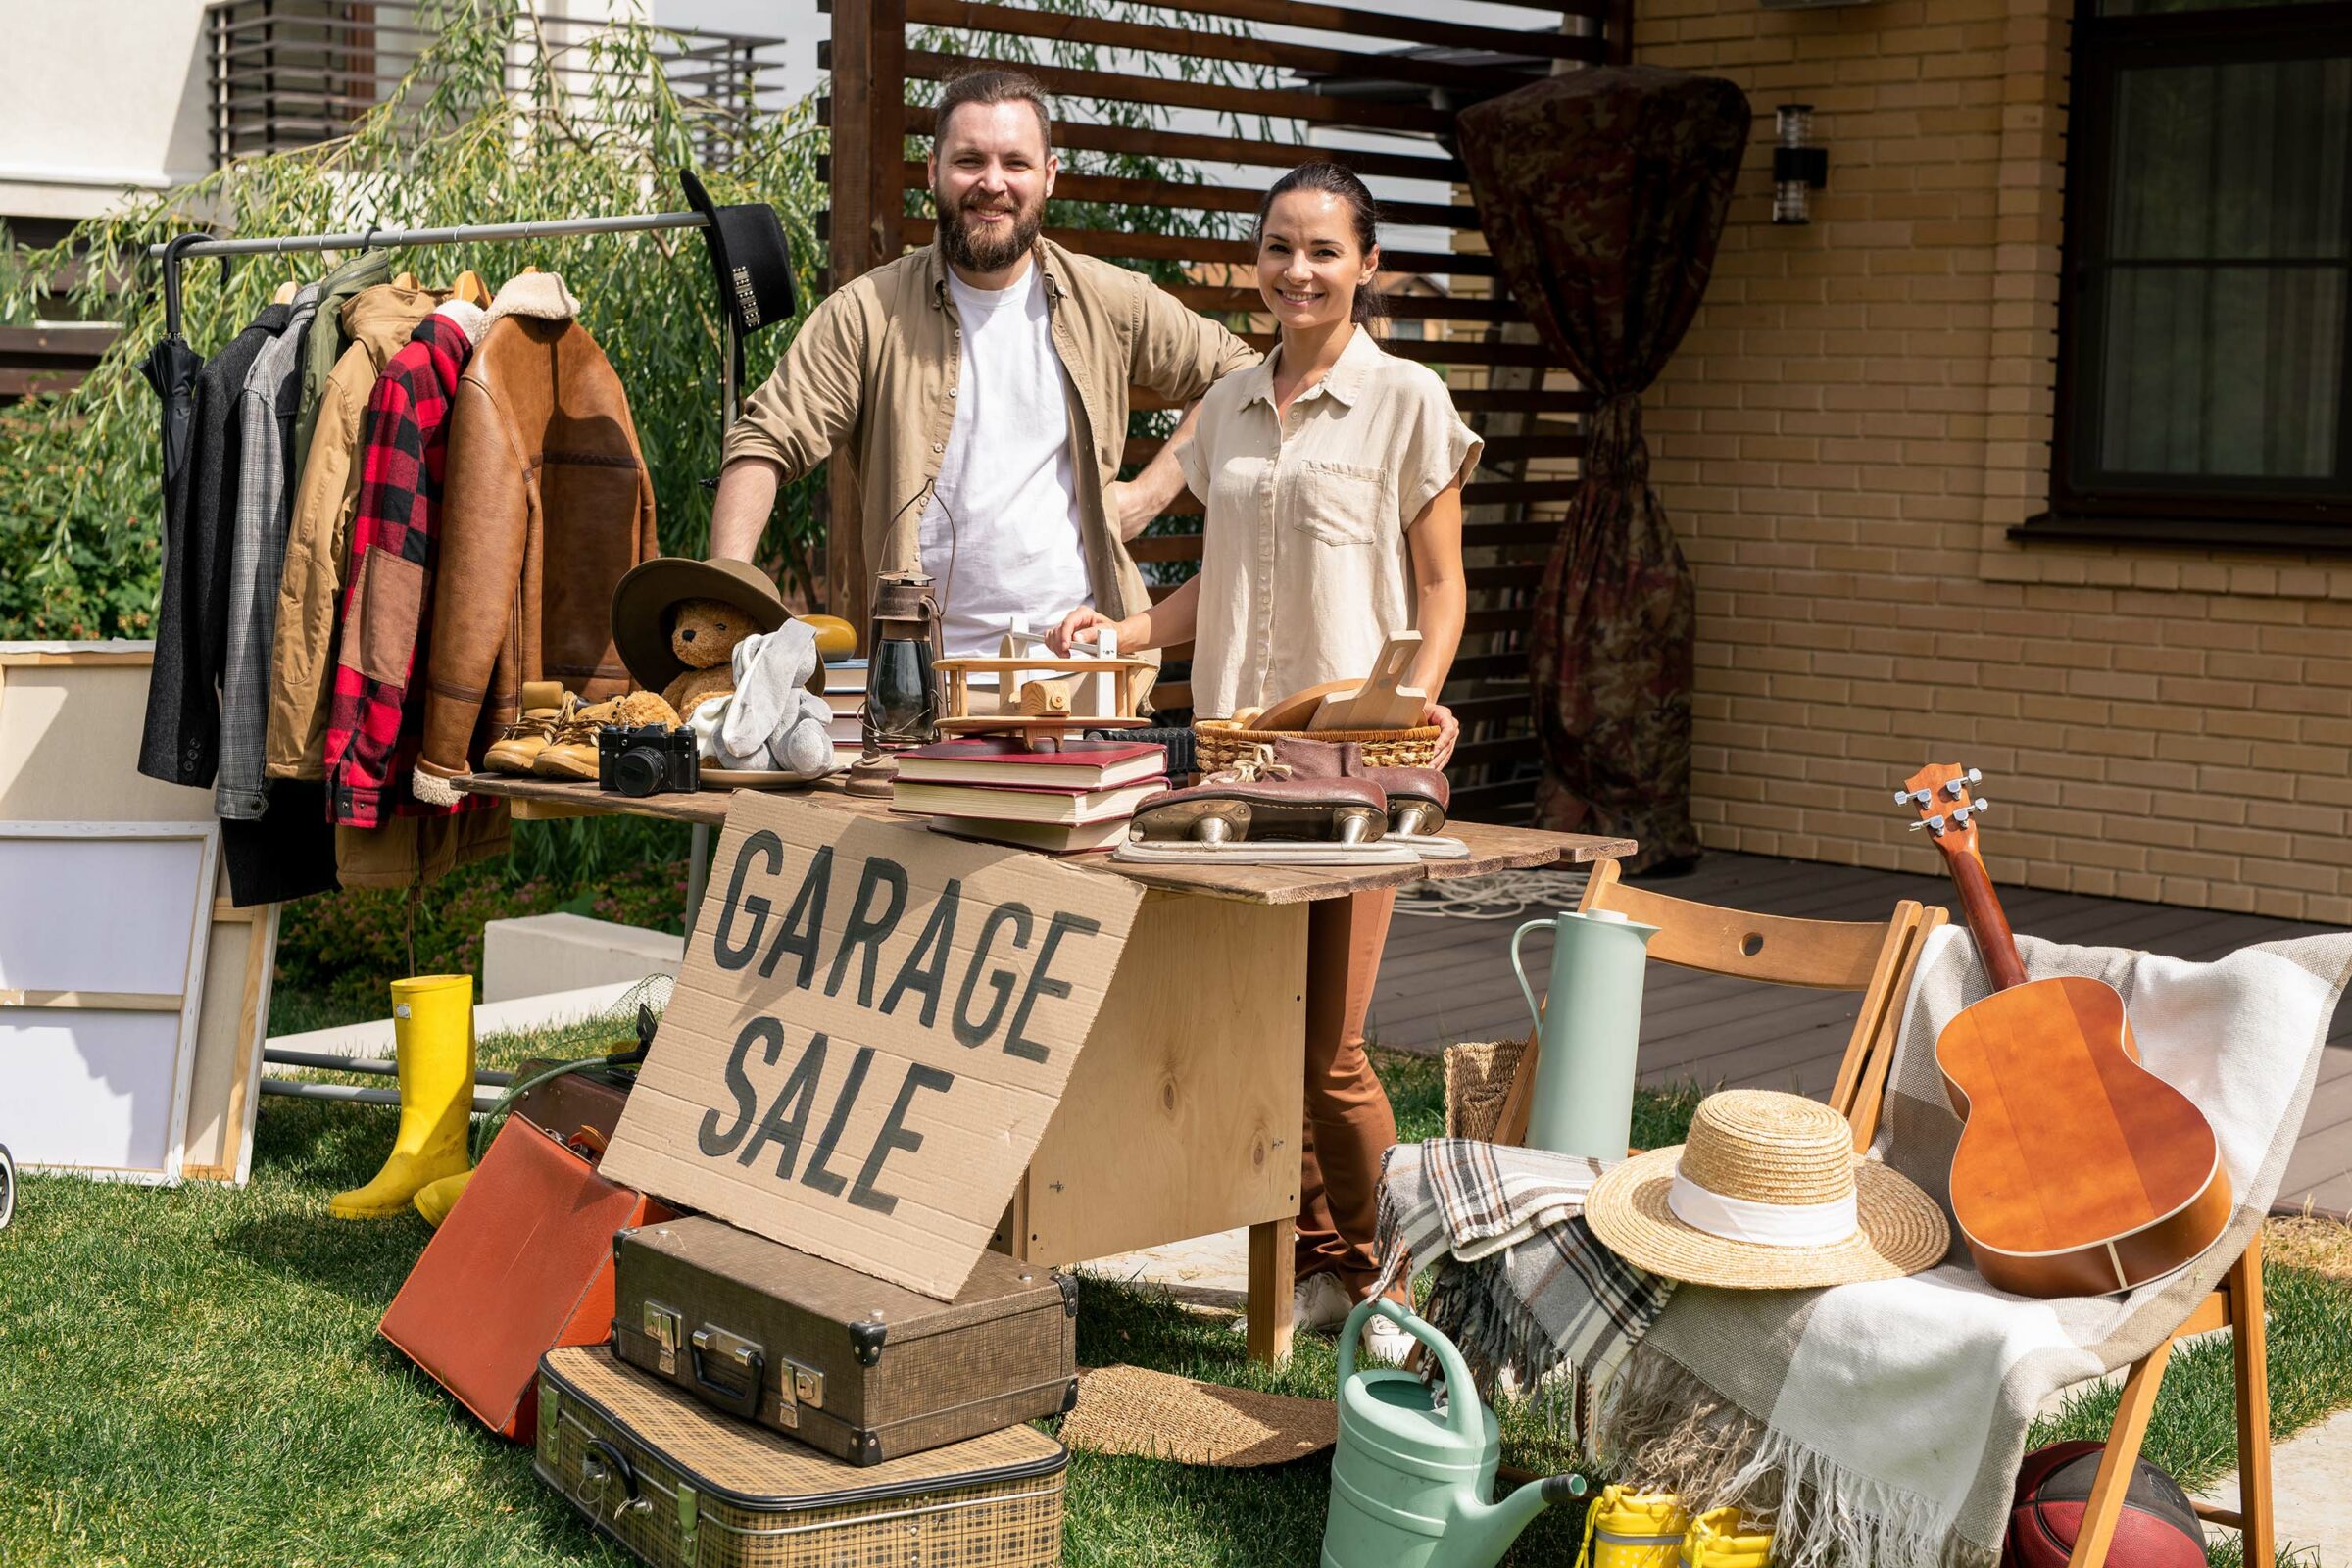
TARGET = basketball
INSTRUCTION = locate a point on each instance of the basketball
(2158, 1529)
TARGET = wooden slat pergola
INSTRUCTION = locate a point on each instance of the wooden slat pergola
(1376, 89)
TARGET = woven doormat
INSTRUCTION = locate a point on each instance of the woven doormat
(1125, 1409)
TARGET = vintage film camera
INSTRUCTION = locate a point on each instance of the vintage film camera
(646, 760)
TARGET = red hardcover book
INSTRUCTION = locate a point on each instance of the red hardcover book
(994, 761)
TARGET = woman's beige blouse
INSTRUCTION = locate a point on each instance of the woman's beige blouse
(1303, 568)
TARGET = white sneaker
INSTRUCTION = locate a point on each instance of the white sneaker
(1385, 1339)
(1319, 1303)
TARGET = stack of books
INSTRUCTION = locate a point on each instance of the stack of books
(845, 694)
(1078, 798)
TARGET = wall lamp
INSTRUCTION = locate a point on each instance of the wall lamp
(1797, 167)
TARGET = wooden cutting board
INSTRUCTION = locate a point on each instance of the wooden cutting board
(1380, 700)
(1294, 710)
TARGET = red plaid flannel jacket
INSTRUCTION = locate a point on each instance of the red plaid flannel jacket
(377, 719)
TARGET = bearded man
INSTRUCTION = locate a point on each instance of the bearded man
(979, 389)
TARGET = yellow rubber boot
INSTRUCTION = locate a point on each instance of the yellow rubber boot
(434, 1200)
(432, 1030)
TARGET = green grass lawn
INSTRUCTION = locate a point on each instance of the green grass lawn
(192, 1376)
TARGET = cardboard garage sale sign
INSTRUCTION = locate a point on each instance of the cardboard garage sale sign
(872, 1027)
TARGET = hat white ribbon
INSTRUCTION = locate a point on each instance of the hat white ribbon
(1742, 1219)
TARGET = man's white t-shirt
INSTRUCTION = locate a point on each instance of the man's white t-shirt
(999, 537)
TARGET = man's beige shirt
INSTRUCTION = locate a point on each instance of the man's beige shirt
(1303, 571)
(873, 373)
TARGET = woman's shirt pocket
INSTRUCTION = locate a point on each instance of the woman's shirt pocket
(1340, 504)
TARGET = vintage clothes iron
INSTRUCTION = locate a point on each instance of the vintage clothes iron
(1410, 1482)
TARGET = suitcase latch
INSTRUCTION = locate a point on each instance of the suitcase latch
(665, 1328)
(807, 1385)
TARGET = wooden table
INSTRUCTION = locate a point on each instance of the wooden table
(1190, 1093)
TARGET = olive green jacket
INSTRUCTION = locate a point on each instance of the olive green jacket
(873, 374)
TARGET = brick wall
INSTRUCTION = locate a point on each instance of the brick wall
(1861, 411)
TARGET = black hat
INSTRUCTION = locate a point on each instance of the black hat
(750, 258)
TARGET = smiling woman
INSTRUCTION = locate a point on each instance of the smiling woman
(1333, 475)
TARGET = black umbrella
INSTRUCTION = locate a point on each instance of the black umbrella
(170, 368)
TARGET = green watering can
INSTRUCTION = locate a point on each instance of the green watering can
(1410, 1482)
(1584, 1095)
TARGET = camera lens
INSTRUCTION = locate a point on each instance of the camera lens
(638, 770)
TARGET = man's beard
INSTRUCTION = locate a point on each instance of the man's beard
(985, 255)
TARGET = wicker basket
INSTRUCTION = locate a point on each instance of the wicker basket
(1478, 1079)
(1220, 743)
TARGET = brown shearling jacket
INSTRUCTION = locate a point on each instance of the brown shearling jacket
(544, 505)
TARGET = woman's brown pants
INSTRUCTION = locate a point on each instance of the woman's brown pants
(1348, 1123)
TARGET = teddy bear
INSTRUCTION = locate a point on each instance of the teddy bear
(702, 635)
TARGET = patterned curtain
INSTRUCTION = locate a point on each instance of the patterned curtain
(1603, 194)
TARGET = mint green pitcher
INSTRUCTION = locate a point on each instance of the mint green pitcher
(1591, 1034)
(1410, 1482)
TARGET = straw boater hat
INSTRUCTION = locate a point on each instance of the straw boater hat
(1767, 1195)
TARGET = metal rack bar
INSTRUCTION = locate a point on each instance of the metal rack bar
(381, 1066)
(344, 1094)
(462, 233)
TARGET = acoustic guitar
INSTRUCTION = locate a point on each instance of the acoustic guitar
(2079, 1172)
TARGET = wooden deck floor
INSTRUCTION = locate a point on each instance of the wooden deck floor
(1447, 979)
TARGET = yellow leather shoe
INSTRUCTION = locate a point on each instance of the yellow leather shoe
(570, 752)
(546, 704)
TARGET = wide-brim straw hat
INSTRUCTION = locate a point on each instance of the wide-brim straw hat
(643, 600)
(1765, 1163)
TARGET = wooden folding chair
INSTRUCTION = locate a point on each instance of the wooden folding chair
(1878, 960)
(1873, 957)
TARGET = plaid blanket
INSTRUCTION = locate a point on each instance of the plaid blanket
(1886, 1420)
(1523, 1284)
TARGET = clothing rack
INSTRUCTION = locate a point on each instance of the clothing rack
(172, 252)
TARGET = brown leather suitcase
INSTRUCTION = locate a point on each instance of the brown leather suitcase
(571, 1100)
(849, 1364)
(683, 1487)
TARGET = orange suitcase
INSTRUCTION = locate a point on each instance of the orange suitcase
(524, 1263)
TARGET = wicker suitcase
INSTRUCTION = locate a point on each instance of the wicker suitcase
(849, 1364)
(684, 1487)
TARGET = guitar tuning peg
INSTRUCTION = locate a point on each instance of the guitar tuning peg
(1934, 824)
(1902, 797)
(1982, 806)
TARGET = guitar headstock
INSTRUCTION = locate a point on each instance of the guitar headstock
(1940, 791)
